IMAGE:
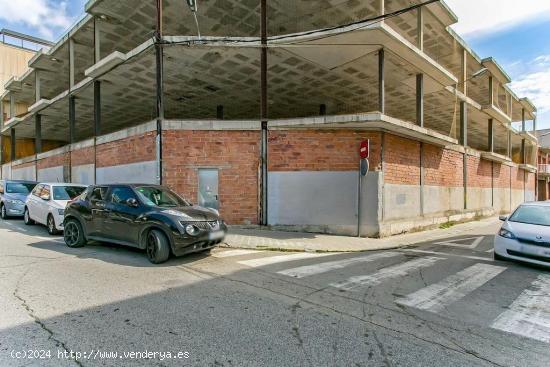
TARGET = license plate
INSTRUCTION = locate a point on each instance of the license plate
(216, 235)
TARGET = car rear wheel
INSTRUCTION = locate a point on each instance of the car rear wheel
(50, 223)
(3, 212)
(27, 218)
(73, 234)
(157, 247)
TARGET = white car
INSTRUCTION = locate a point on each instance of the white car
(46, 204)
(525, 235)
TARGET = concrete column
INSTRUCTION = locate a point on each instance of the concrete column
(97, 40)
(323, 109)
(381, 82)
(12, 105)
(491, 135)
(38, 133)
(72, 119)
(535, 124)
(381, 7)
(509, 145)
(13, 150)
(420, 100)
(71, 63)
(491, 91)
(464, 72)
(523, 152)
(523, 127)
(1, 114)
(219, 112)
(97, 108)
(463, 123)
(420, 29)
(37, 86)
(2, 156)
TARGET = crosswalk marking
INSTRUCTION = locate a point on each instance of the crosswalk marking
(437, 296)
(386, 273)
(448, 254)
(304, 271)
(529, 314)
(282, 258)
(230, 253)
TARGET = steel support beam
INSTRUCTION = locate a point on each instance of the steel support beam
(381, 82)
(13, 150)
(72, 119)
(491, 135)
(263, 110)
(38, 133)
(420, 100)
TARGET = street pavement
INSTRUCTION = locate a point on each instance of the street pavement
(440, 303)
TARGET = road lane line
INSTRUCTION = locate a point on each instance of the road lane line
(447, 254)
(229, 253)
(437, 296)
(282, 258)
(386, 273)
(529, 314)
(304, 271)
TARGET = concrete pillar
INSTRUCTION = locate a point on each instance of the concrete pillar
(71, 63)
(97, 40)
(523, 127)
(381, 82)
(38, 133)
(381, 7)
(463, 123)
(464, 72)
(491, 91)
(523, 152)
(509, 145)
(219, 112)
(97, 108)
(420, 100)
(12, 105)
(420, 29)
(72, 119)
(1, 114)
(37, 86)
(13, 150)
(535, 124)
(2, 156)
(491, 135)
(323, 109)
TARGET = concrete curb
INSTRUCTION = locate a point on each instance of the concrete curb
(267, 240)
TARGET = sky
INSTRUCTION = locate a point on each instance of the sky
(515, 33)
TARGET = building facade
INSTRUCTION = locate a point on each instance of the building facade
(262, 114)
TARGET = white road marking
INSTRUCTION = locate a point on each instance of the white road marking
(282, 258)
(437, 296)
(490, 250)
(529, 314)
(304, 271)
(386, 273)
(447, 254)
(230, 253)
(474, 244)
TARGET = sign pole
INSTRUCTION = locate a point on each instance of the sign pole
(364, 150)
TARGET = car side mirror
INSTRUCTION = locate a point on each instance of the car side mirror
(132, 202)
(45, 197)
(503, 218)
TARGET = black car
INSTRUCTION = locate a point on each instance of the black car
(149, 217)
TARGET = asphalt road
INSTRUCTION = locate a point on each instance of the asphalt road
(446, 304)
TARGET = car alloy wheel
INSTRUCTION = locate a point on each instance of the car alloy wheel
(51, 225)
(27, 218)
(151, 246)
(72, 234)
(4, 214)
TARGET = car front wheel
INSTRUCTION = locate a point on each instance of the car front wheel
(27, 218)
(50, 223)
(157, 247)
(73, 234)
(3, 212)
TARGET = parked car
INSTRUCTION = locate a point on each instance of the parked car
(148, 217)
(525, 235)
(13, 194)
(46, 204)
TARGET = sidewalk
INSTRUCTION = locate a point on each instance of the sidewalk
(298, 241)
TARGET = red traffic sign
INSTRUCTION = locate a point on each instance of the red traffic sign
(364, 149)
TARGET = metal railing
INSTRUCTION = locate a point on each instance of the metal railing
(544, 168)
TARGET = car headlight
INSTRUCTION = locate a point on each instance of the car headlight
(191, 230)
(61, 211)
(506, 234)
(15, 202)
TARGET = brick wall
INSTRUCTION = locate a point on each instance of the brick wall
(139, 148)
(442, 167)
(82, 156)
(517, 178)
(235, 153)
(24, 165)
(531, 182)
(54, 161)
(479, 172)
(320, 150)
(501, 176)
(401, 161)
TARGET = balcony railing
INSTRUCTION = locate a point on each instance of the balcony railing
(544, 169)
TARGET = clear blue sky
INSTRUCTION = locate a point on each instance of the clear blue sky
(515, 33)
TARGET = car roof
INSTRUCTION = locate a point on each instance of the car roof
(21, 181)
(537, 203)
(133, 185)
(62, 184)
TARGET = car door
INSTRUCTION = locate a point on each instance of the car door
(42, 204)
(122, 218)
(33, 201)
(95, 223)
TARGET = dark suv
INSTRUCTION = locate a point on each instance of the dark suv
(149, 217)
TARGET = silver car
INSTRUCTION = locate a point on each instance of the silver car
(13, 195)
(525, 235)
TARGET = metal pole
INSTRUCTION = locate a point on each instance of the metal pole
(160, 84)
(263, 111)
(359, 203)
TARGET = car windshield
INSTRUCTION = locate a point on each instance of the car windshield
(531, 214)
(19, 188)
(67, 192)
(157, 196)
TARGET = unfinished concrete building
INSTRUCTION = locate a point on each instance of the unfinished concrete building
(262, 113)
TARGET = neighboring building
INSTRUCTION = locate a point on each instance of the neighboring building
(543, 165)
(263, 117)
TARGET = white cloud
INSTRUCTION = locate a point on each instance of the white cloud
(483, 16)
(535, 86)
(43, 15)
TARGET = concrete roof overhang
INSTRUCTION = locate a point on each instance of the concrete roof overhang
(496, 70)
(495, 157)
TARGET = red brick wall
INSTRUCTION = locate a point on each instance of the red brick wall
(320, 150)
(531, 182)
(479, 172)
(24, 165)
(401, 161)
(82, 156)
(134, 149)
(502, 176)
(54, 161)
(235, 153)
(517, 178)
(442, 167)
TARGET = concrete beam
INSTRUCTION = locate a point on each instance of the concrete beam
(381, 82)
(38, 133)
(420, 100)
